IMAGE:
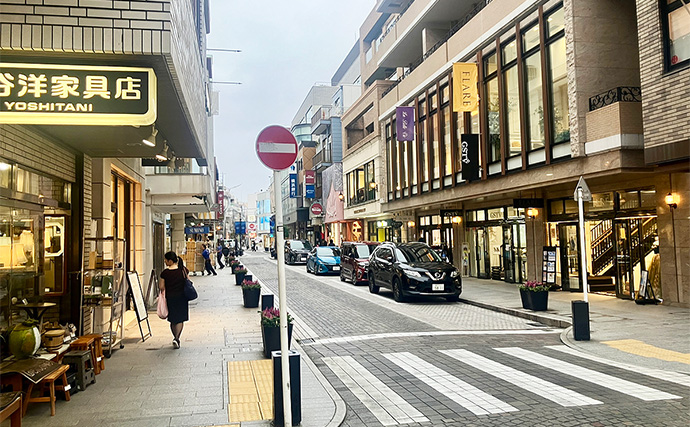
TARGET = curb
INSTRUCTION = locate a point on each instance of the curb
(553, 321)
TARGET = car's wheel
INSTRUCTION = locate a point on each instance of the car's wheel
(342, 276)
(398, 295)
(372, 286)
(453, 298)
(353, 277)
(308, 268)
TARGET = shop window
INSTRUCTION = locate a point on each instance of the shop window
(556, 207)
(534, 102)
(433, 102)
(447, 149)
(435, 151)
(555, 23)
(675, 17)
(560, 118)
(570, 206)
(424, 151)
(359, 184)
(490, 66)
(512, 108)
(481, 215)
(530, 38)
(493, 118)
(435, 219)
(515, 212)
(470, 216)
(495, 214)
(601, 202)
(54, 264)
(509, 52)
(628, 200)
(445, 94)
(421, 107)
(5, 175)
(648, 198)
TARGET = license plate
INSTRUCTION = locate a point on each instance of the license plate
(437, 287)
(304, 258)
(336, 268)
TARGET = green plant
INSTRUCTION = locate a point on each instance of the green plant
(271, 317)
(250, 285)
(534, 286)
(240, 271)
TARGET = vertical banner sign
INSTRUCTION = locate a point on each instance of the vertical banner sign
(293, 185)
(404, 123)
(465, 94)
(469, 152)
(310, 184)
(221, 203)
(310, 177)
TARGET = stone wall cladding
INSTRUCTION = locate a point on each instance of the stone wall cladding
(665, 105)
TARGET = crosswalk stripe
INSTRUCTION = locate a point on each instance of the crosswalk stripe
(386, 405)
(674, 377)
(466, 395)
(617, 384)
(538, 386)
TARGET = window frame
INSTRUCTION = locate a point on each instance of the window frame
(664, 12)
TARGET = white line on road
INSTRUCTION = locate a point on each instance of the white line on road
(538, 386)
(386, 405)
(464, 394)
(617, 384)
(670, 376)
(430, 334)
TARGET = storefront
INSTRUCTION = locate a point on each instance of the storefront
(384, 230)
(497, 243)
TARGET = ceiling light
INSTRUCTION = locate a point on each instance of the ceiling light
(151, 140)
(163, 155)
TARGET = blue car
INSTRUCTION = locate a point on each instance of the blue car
(324, 259)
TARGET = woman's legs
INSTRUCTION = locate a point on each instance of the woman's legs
(176, 329)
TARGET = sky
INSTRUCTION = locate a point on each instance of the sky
(286, 47)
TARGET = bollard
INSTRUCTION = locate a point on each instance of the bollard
(248, 277)
(580, 311)
(295, 389)
(266, 301)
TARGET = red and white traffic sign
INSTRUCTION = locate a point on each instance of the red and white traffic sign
(276, 147)
(316, 208)
(251, 226)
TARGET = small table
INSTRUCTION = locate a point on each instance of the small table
(36, 310)
(11, 407)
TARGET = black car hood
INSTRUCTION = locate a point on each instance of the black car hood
(300, 251)
(430, 266)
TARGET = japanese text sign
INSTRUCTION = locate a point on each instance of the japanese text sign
(310, 177)
(76, 95)
(293, 185)
(465, 94)
(404, 123)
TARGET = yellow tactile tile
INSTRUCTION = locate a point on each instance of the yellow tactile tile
(641, 349)
(238, 412)
(250, 385)
(266, 410)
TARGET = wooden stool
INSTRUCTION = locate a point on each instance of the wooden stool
(49, 383)
(100, 360)
(12, 408)
(78, 360)
(87, 342)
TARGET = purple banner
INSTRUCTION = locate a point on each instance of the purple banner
(404, 123)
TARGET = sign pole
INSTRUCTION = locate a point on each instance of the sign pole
(282, 303)
(583, 254)
(580, 309)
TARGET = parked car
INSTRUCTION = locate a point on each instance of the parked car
(354, 260)
(412, 269)
(296, 251)
(324, 259)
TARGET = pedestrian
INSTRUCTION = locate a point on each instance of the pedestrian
(207, 262)
(330, 243)
(226, 252)
(219, 254)
(172, 281)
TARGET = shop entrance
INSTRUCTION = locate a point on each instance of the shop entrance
(500, 252)
(569, 248)
(635, 240)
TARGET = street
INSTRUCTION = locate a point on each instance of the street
(430, 362)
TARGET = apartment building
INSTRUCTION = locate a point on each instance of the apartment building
(567, 88)
(92, 92)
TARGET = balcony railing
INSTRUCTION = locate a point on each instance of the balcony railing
(461, 23)
(323, 113)
(617, 94)
(323, 156)
(395, 22)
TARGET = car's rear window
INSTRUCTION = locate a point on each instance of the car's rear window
(299, 245)
(328, 251)
(419, 253)
(363, 251)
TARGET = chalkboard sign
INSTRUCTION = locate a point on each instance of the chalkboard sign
(548, 270)
(137, 295)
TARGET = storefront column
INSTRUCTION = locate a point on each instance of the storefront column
(177, 232)
(102, 195)
(535, 245)
(459, 241)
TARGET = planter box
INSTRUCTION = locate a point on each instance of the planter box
(251, 297)
(524, 296)
(271, 339)
(535, 301)
(239, 278)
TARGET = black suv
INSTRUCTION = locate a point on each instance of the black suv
(296, 251)
(412, 269)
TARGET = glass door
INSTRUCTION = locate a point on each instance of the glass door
(570, 257)
(520, 252)
(508, 254)
(624, 273)
(482, 251)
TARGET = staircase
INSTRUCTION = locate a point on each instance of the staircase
(603, 249)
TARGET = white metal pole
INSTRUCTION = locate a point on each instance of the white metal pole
(282, 303)
(583, 253)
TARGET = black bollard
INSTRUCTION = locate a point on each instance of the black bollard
(580, 311)
(266, 301)
(295, 389)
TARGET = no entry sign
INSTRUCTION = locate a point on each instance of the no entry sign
(316, 208)
(276, 147)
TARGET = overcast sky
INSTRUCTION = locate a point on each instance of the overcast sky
(287, 46)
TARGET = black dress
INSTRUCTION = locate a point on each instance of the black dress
(178, 306)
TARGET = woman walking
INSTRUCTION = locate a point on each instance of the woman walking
(172, 281)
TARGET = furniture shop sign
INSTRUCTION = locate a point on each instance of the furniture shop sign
(77, 95)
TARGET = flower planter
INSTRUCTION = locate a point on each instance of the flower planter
(538, 300)
(271, 338)
(251, 297)
(524, 296)
(239, 278)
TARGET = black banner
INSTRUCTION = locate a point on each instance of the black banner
(528, 203)
(469, 152)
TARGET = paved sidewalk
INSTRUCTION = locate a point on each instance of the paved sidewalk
(150, 384)
(651, 336)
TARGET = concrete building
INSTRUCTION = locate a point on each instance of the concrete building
(559, 98)
(91, 91)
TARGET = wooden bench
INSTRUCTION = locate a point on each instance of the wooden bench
(100, 360)
(49, 384)
(88, 342)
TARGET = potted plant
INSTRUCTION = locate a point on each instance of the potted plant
(234, 264)
(270, 330)
(251, 291)
(534, 295)
(239, 275)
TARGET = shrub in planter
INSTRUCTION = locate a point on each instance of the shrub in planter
(270, 330)
(251, 291)
(239, 275)
(534, 295)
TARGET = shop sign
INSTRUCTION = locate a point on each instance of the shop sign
(77, 95)
(293, 185)
(356, 211)
(197, 230)
(528, 203)
(451, 212)
(465, 93)
(221, 202)
(469, 146)
(316, 209)
(404, 123)
(240, 227)
(548, 271)
(310, 177)
(309, 191)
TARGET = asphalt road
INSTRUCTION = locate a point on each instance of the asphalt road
(430, 362)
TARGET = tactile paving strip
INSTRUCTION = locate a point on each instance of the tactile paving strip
(250, 385)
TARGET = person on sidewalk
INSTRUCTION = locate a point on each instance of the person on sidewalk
(219, 254)
(172, 281)
(207, 261)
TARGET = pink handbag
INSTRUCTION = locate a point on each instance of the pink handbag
(162, 306)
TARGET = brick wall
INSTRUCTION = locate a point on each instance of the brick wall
(665, 105)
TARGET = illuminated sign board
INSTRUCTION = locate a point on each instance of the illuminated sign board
(56, 94)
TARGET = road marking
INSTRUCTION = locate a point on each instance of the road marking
(460, 392)
(617, 384)
(640, 348)
(430, 334)
(386, 405)
(670, 376)
(538, 386)
(277, 147)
